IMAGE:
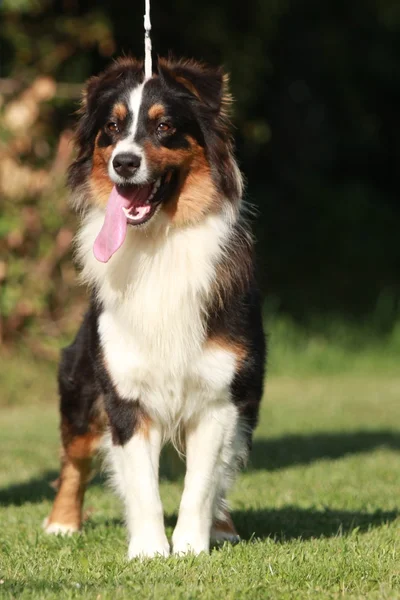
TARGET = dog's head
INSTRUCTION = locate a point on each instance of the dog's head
(161, 144)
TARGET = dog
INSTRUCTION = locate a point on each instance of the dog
(172, 346)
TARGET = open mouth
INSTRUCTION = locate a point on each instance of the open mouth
(141, 202)
(129, 205)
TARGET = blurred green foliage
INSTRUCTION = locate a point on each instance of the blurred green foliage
(317, 89)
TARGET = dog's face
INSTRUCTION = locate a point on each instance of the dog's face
(161, 144)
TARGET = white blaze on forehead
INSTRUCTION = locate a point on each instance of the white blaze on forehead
(128, 144)
(135, 102)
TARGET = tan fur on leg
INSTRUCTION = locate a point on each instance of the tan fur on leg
(66, 515)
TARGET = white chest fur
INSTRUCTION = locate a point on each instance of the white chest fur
(154, 292)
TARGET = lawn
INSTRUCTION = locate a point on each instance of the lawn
(317, 508)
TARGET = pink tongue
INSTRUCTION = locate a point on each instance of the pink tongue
(113, 232)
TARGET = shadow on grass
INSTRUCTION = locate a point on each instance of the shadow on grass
(34, 490)
(291, 523)
(40, 488)
(291, 450)
(285, 524)
(268, 454)
(282, 524)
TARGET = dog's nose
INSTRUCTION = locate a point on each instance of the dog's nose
(125, 164)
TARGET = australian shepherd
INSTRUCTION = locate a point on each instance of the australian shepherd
(172, 346)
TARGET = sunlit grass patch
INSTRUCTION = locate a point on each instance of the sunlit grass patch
(317, 508)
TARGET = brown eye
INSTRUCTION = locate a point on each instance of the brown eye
(163, 128)
(112, 127)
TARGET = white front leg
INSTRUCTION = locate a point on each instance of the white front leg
(135, 468)
(209, 457)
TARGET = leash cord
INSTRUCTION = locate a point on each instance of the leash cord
(147, 42)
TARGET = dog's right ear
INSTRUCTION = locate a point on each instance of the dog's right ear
(119, 71)
(90, 91)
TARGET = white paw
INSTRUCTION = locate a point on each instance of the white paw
(59, 528)
(148, 546)
(190, 542)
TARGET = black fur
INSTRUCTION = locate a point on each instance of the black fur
(78, 385)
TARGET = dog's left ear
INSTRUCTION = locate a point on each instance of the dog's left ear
(206, 84)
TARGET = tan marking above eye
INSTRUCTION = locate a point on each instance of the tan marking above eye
(120, 111)
(156, 111)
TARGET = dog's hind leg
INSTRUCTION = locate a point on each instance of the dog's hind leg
(76, 469)
(83, 421)
(223, 528)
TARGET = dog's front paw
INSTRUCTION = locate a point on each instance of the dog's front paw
(148, 546)
(190, 541)
(55, 528)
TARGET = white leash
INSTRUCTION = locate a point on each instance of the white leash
(148, 71)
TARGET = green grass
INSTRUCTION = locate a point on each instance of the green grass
(332, 346)
(318, 507)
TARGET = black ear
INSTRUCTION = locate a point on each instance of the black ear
(206, 84)
(122, 70)
(97, 95)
